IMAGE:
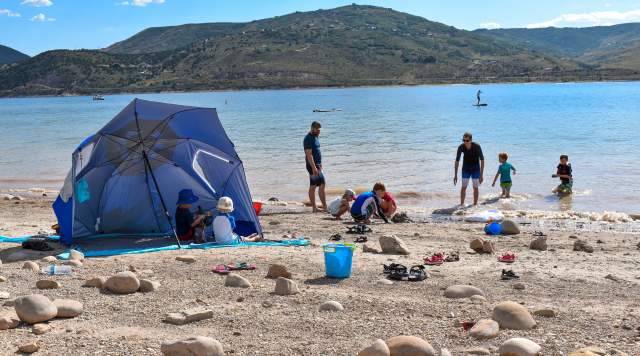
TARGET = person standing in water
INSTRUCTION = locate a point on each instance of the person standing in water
(313, 159)
(472, 167)
(478, 96)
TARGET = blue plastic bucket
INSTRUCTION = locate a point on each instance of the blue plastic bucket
(337, 259)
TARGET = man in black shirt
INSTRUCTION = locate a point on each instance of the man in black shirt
(472, 167)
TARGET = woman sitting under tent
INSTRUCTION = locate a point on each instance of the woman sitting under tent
(224, 225)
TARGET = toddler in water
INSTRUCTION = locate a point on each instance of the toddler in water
(564, 172)
(339, 206)
(504, 172)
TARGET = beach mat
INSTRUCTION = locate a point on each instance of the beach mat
(21, 239)
(100, 247)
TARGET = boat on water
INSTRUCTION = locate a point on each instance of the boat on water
(98, 97)
(326, 110)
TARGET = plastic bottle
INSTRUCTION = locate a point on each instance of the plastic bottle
(57, 270)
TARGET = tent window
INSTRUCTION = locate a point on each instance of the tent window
(198, 169)
(83, 156)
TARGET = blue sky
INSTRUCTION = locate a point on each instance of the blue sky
(34, 26)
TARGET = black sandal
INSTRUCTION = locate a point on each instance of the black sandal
(417, 274)
(389, 268)
(359, 229)
(509, 275)
(399, 273)
(336, 237)
(361, 239)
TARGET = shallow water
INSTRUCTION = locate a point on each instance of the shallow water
(404, 136)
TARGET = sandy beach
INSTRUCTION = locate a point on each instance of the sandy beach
(595, 295)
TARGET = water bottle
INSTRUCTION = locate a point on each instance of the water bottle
(57, 270)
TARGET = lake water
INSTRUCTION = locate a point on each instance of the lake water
(404, 136)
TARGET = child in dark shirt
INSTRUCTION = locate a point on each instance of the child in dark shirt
(189, 227)
(564, 172)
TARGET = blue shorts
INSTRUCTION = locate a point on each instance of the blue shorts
(471, 174)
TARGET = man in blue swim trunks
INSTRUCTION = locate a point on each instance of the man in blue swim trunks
(472, 167)
(313, 159)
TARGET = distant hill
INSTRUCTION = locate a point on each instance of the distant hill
(615, 46)
(346, 46)
(10, 55)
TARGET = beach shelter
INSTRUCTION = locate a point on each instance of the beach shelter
(125, 179)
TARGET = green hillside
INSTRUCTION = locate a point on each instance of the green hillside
(347, 46)
(10, 55)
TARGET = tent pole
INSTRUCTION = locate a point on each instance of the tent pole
(155, 182)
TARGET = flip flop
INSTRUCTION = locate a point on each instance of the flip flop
(221, 269)
(507, 258)
(453, 257)
(508, 275)
(435, 260)
(242, 266)
(399, 273)
(360, 239)
(417, 274)
(359, 229)
(389, 268)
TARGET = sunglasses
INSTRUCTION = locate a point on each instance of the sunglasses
(465, 140)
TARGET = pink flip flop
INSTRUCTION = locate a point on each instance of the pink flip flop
(435, 260)
(221, 269)
(507, 258)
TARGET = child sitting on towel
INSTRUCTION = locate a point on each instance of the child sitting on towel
(224, 224)
(339, 206)
(367, 205)
(188, 226)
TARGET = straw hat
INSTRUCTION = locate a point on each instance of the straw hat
(225, 205)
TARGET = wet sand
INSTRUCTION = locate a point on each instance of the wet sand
(592, 309)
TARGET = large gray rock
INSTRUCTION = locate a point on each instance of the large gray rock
(188, 316)
(462, 291)
(410, 346)
(236, 281)
(510, 227)
(123, 283)
(511, 315)
(519, 346)
(539, 243)
(485, 329)
(193, 346)
(286, 286)
(35, 308)
(68, 308)
(378, 348)
(391, 244)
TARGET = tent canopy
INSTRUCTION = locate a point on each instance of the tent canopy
(123, 177)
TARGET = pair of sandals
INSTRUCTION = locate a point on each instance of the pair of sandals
(359, 239)
(508, 275)
(438, 259)
(359, 229)
(398, 272)
(226, 269)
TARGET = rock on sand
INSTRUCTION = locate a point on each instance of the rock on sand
(276, 271)
(193, 346)
(35, 308)
(31, 266)
(40, 329)
(539, 243)
(589, 351)
(47, 284)
(485, 329)
(73, 263)
(96, 282)
(9, 321)
(49, 259)
(519, 346)
(581, 245)
(392, 244)
(331, 306)
(286, 286)
(511, 315)
(29, 347)
(186, 258)
(188, 316)
(68, 308)
(236, 281)
(370, 249)
(462, 291)
(480, 245)
(123, 283)
(147, 286)
(510, 227)
(378, 348)
(409, 346)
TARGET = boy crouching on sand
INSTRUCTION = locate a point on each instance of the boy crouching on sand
(339, 206)
(504, 172)
(368, 205)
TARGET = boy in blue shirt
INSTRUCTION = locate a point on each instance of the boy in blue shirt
(504, 172)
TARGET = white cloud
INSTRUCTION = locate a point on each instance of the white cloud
(140, 3)
(490, 25)
(42, 18)
(37, 3)
(9, 13)
(598, 18)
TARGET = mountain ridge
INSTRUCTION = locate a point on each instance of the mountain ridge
(9, 55)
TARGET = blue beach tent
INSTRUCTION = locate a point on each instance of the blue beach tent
(125, 179)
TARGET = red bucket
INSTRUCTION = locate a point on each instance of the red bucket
(257, 206)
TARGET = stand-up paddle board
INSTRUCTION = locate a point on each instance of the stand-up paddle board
(480, 104)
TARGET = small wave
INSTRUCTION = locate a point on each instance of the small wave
(606, 216)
